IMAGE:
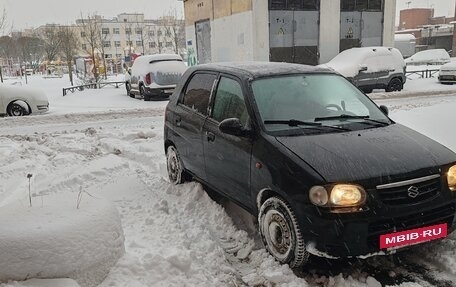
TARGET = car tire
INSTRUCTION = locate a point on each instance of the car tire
(176, 172)
(128, 88)
(395, 85)
(281, 234)
(18, 109)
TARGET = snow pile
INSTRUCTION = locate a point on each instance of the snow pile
(349, 62)
(43, 283)
(449, 67)
(54, 239)
(429, 57)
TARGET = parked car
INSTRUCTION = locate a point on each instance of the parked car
(18, 101)
(154, 76)
(429, 57)
(447, 74)
(371, 68)
(324, 169)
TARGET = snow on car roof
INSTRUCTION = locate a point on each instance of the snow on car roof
(158, 57)
(348, 62)
(433, 56)
(263, 69)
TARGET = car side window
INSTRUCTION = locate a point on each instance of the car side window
(229, 101)
(198, 91)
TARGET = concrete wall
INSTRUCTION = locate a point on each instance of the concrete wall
(260, 24)
(329, 29)
(389, 23)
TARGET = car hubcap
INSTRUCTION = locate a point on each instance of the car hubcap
(16, 110)
(277, 233)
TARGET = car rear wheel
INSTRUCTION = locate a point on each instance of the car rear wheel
(395, 85)
(281, 234)
(18, 109)
(176, 171)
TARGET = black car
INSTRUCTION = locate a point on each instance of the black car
(324, 169)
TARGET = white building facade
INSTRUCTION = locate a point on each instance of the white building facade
(298, 31)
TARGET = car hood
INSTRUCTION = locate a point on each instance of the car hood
(366, 154)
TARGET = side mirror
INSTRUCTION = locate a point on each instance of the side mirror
(384, 109)
(362, 68)
(233, 126)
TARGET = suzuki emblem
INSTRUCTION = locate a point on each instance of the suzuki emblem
(413, 191)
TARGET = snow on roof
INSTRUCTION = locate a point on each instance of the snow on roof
(433, 56)
(158, 57)
(404, 37)
(451, 66)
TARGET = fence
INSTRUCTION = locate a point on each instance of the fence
(92, 86)
(428, 73)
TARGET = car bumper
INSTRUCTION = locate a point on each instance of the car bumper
(159, 93)
(358, 234)
(40, 108)
(447, 78)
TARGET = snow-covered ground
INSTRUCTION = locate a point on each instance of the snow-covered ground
(111, 146)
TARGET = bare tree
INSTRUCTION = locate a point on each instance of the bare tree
(129, 35)
(91, 35)
(69, 45)
(51, 42)
(174, 27)
(30, 49)
(105, 38)
(8, 51)
(3, 21)
(141, 32)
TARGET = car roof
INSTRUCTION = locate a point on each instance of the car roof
(261, 69)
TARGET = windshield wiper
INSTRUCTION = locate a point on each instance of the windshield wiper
(295, 123)
(348, 117)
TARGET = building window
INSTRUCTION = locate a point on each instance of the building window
(130, 43)
(168, 33)
(152, 45)
(169, 44)
(160, 44)
(128, 31)
(151, 33)
(83, 34)
(138, 43)
(159, 33)
(118, 56)
(138, 31)
(107, 44)
(105, 31)
(117, 44)
(116, 31)
(84, 47)
(108, 56)
(311, 5)
(361, 5)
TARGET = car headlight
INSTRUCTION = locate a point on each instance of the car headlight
(347, 195)
(339, 195)
(451, 177)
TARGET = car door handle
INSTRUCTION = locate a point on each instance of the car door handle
(210, 136)
(178, 121)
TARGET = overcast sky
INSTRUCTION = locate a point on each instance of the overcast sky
(33, 13)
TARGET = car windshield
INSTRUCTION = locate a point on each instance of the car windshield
(314, 98)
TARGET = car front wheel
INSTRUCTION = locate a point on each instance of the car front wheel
(18, 109)
(281, 234)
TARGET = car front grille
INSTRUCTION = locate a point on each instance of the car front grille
(443, 214)
(447, 78)
(410, 193)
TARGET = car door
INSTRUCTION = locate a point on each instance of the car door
(191, 113)
(368, 78)
(227, 157)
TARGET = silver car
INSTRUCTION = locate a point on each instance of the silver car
(18, 101)
(154, 76)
